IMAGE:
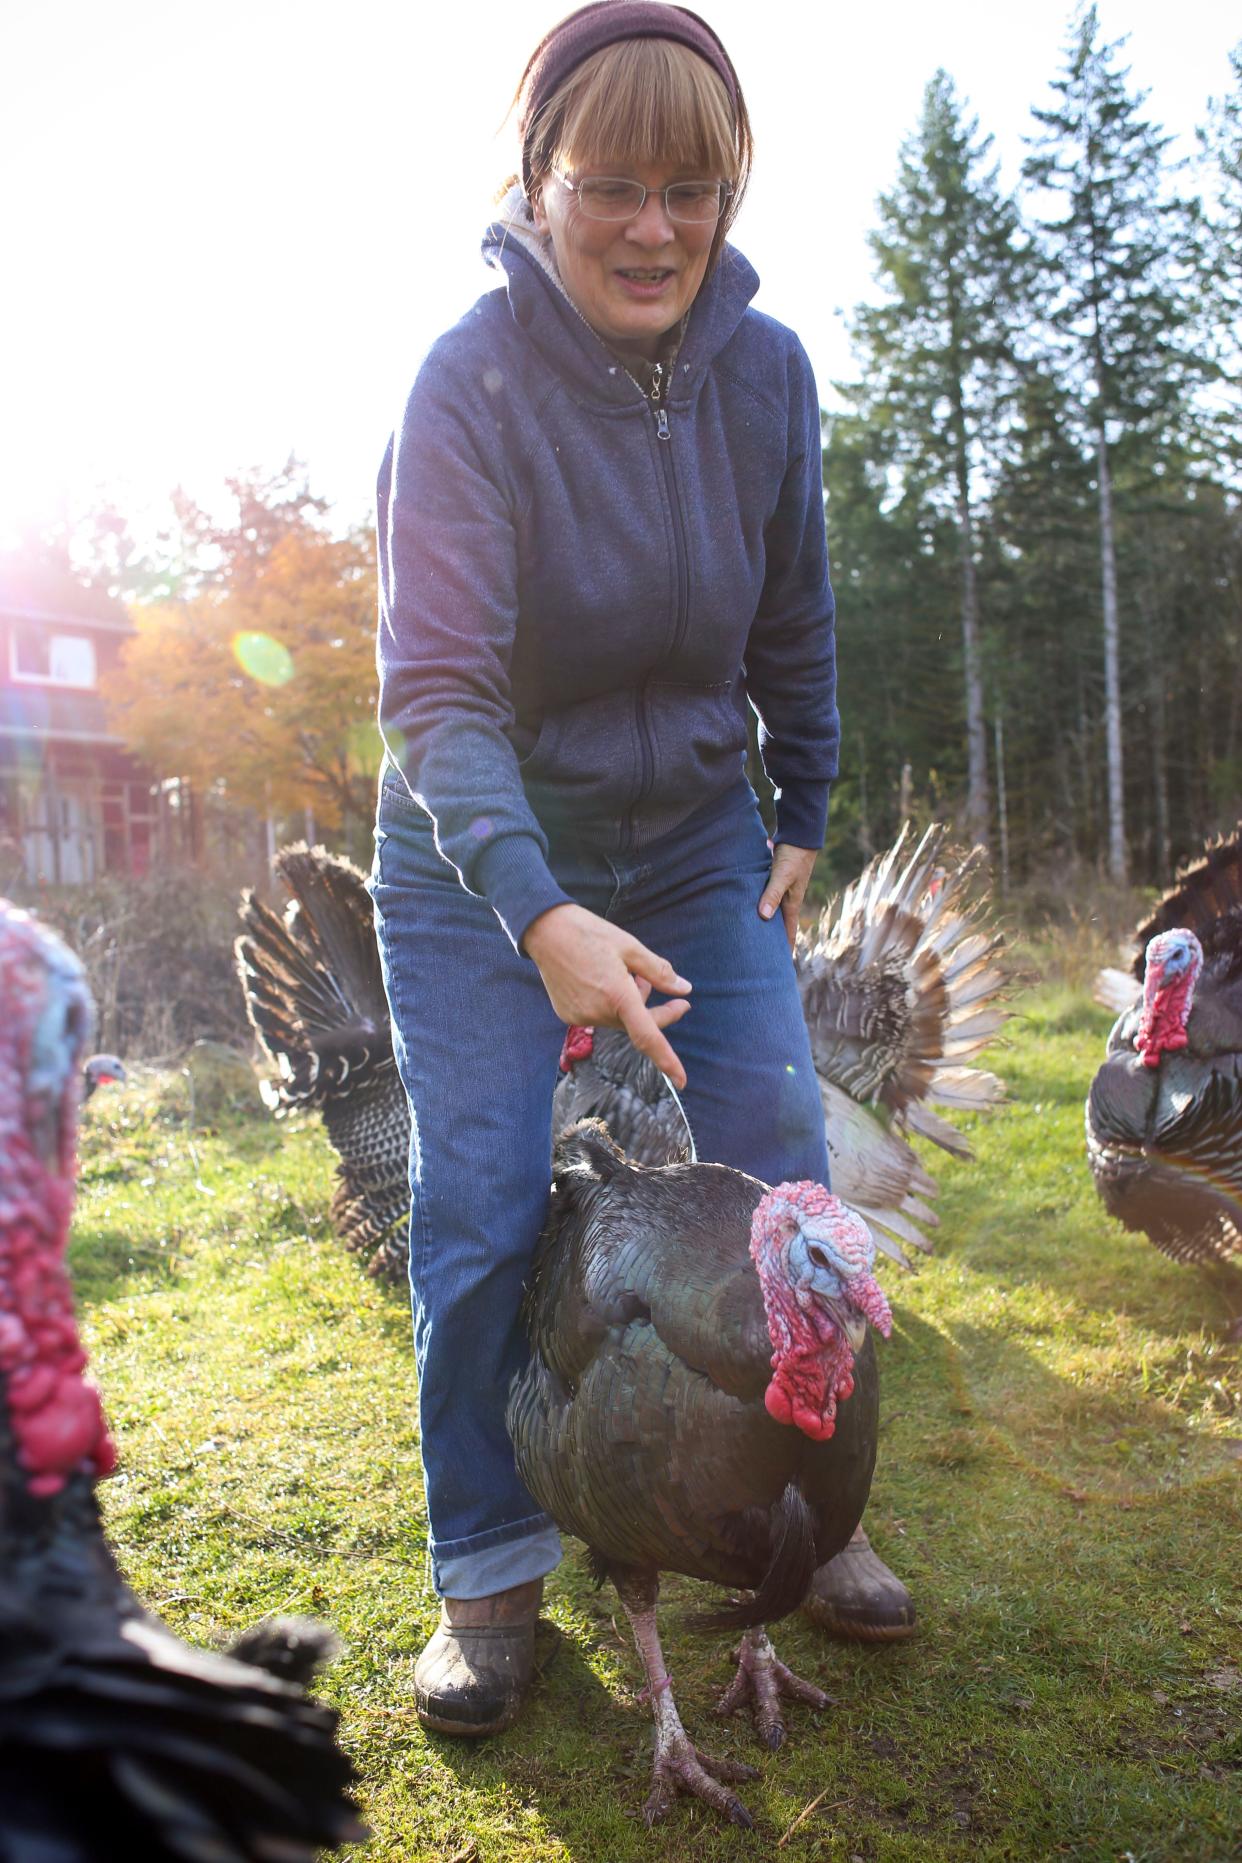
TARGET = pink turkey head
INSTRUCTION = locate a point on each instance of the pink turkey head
(55, 1423)
(814, 1256)
(1173, 962)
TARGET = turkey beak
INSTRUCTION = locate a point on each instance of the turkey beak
(850, 1321)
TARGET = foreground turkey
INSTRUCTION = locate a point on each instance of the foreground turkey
(1164, 1114)
(701, 1398)
(900, 986)
(116, 1739)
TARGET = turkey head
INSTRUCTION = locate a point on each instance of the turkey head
(1174, 962)
(814, 1257)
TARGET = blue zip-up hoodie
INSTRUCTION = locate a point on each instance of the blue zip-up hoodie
(580, 590)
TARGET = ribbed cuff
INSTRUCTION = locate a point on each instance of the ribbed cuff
(515, 879)
(802, 814)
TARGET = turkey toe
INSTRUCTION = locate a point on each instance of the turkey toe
(763, 1680)
(680, 1767)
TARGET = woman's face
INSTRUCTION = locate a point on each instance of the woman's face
(631, 279)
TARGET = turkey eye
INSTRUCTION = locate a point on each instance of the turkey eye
(818, 1256)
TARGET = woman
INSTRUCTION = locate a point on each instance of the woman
(601, 534)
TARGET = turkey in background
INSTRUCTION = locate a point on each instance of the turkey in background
(901, 986)
(315, 998)
(101, 1070)
(702, 1398)
(116, 1738)
(1164, 1113)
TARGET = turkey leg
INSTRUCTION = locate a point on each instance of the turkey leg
(762, 1679)
(679, 1766)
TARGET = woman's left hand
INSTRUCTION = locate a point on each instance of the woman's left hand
(787, 884)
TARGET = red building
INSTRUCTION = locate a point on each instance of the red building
(74, 804)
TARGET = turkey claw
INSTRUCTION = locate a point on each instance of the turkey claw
(763, 1680)
(682, 1768)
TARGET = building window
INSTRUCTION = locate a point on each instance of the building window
(52, 659)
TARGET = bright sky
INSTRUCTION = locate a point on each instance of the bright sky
(230, 231)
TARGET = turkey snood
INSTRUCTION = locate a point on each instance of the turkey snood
(53, 1409)
(813, 1256)
(1174, 960)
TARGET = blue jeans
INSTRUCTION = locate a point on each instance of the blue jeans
(477, 1044)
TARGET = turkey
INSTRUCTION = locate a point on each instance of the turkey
(1164, 1113)
(315, 998)
(701, 1398)
(901, 986)
(116, 1739)
(101, 1070)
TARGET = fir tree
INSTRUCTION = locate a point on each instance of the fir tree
(1116, 241)
(938, 354)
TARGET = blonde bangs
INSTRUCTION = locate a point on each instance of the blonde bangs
(645, 100)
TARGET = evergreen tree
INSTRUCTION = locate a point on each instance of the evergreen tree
(1220, 278)
(1040, 552)
(1116, 241)
(938, 354)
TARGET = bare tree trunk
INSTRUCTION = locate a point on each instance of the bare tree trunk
(1002, 810)
(976, 727)
(905, 794)
(864, 817)
(1112, 671)
(1086, 781)
(1162, 852)
(308, 825)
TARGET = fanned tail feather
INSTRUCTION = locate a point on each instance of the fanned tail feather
(902, 988)
(311, 979)
(1206, 898)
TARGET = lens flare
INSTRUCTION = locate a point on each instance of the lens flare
(263, 658)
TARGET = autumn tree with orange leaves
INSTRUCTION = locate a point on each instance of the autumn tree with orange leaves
(257, 682)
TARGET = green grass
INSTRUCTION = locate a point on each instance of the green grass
(1057, 1483)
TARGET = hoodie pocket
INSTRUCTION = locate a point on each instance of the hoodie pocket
(699, 735)
(585, 762)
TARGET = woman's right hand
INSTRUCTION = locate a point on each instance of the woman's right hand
(598, 976)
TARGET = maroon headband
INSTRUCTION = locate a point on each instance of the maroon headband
(607, 22)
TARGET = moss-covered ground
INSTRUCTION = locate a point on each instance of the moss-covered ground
(1058, 1483)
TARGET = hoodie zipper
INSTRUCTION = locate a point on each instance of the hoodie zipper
(681, 617)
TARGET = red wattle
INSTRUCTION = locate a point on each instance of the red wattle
(54, 1412)
(1166, 1005)
(64, 1433)
(578, 1044)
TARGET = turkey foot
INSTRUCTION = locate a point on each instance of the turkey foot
(762, 1679)
(679, 1766)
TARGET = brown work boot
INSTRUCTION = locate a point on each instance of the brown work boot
(473, 1676)
(855, 1595)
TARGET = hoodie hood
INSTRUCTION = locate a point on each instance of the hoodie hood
(542, 306)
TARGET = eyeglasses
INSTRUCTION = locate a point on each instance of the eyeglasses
(692, 203)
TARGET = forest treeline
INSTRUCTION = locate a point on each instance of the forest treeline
(1034, 503)
(1033, 487)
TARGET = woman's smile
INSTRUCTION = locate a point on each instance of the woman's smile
(631, 279)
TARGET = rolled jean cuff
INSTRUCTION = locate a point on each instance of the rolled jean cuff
(480, 1568)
